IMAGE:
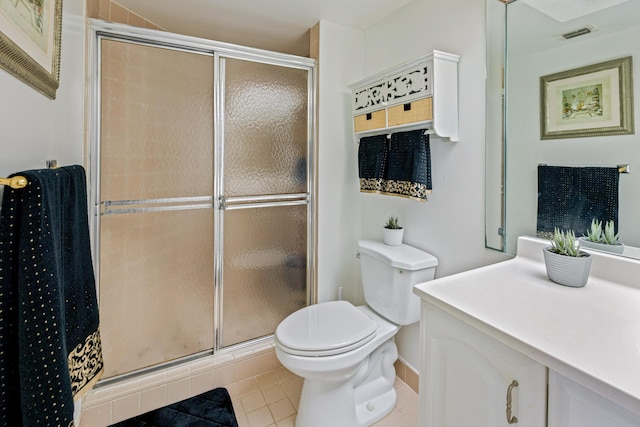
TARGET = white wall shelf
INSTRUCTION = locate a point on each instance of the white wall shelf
(417, 94)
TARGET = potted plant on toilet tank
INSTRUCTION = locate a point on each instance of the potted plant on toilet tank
(392, 232)
(603, 240)
(566, 264)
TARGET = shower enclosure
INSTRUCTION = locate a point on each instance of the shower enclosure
(201, 186)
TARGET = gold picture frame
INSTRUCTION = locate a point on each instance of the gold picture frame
(595, 100)
(30, 36)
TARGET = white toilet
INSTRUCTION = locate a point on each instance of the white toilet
(345, 353)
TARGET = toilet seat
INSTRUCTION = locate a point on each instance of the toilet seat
(325, 329)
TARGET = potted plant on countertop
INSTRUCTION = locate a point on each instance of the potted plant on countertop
(566, 264)
(392, 232)
(603, 240)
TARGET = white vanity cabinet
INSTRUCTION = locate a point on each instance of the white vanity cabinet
(573, 351)
(474, 380)
(573, 405)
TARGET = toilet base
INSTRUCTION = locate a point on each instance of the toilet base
(360, 401)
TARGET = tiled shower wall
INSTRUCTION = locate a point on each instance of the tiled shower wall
(111, 11)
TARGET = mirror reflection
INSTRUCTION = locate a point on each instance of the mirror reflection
(568, 139)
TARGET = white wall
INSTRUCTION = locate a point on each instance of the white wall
(525, 149)
(34, 128)
(451, 223)
(339, 209)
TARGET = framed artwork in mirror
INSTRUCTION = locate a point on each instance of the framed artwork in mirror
(595, 100)
(30, 35)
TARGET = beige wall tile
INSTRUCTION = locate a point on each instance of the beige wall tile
(314, 42)
(153, 380)
(150, 25)
(136, 20)
(202, 382)
(126, 407)
(104, 7)
(153, 399)
(93, 7)
(96, 416)
(98, 396)
(178, 390)
(401, 369)
(224, 375)
(412, 380)
(244, 369)
(265, 362)
(118, 13)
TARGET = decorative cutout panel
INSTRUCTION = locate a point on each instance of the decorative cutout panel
(402, 98)
(402, 87)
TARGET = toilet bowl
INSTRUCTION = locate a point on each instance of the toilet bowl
(345, 353)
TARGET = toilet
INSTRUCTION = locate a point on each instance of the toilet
(345, 353)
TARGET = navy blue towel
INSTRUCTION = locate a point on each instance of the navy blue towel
(372, 163)
(50, 351)
(399, 167)
(571, 197)
(409, 172)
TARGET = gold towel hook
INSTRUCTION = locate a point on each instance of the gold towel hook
(15, 182)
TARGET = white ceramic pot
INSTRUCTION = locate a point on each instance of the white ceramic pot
(392, 236)
(567, 270)
(586, 243)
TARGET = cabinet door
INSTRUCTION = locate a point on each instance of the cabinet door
(470, 379)
(573, 405)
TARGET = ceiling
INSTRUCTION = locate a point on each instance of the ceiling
(533, 28)
(277, 25)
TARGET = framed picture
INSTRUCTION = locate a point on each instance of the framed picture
(595, 100)
(30, 34)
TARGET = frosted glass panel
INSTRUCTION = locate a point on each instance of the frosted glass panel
(265, 129)
(156, 268)
(157, 123)
(264, 270)
(156, 287)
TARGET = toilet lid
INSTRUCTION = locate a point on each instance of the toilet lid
(325, 329)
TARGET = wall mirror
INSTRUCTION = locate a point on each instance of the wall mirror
(531, 39)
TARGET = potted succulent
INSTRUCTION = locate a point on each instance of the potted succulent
(604, 240)
(566, 264)
(392, 232)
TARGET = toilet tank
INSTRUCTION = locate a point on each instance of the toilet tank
(388, 276)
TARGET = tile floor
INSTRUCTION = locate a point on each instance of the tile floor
(271, 400)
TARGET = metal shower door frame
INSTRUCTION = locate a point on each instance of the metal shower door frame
(100, 30)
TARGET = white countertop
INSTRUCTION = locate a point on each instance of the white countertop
(590, 335)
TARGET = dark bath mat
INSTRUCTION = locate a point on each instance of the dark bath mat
(210, 409)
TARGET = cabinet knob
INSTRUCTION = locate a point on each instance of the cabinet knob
(511, 419)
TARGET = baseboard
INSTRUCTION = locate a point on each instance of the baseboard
(407, 373)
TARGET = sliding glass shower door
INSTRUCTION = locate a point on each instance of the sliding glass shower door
(156, 289)
(202, 191)
(264, 196)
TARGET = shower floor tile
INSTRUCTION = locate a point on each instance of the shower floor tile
(271, 400)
